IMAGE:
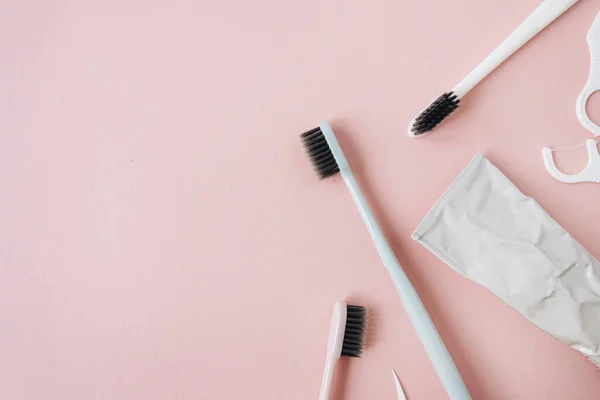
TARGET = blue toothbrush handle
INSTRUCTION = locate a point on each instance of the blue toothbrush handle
(436, 350)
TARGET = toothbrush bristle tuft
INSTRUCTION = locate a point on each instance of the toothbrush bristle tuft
(437, 111)
(320, 154)
(355, 333)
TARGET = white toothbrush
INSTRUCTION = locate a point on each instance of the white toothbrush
(443, 106)
(346, 339)
(328, 159)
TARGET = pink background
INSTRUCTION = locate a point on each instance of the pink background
(163, 236)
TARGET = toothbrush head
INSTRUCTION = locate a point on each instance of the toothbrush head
(434, 114)
(347, 333)
(355, 332)
(346, 339)
(320, 153)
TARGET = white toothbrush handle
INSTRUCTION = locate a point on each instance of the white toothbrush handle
(417, 313)
(327, 383)
(334, 348)
(541, 17)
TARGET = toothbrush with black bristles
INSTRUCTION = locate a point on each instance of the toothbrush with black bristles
(439, 109)
(328, 159)
(346, 339)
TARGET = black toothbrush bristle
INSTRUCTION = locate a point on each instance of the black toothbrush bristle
(319, 152)
(437, 111)
(355, 333)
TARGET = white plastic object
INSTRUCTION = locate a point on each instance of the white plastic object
(591, 173)
(593, 83)
(541, 17)
(415, 309)
(334, 347)
(399, 390)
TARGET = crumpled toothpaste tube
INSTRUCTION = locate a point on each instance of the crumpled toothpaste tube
(487, 230)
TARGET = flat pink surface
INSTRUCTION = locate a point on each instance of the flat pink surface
(163, 236)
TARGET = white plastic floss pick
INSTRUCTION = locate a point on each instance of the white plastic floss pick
(593, 82)
(591, 173)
